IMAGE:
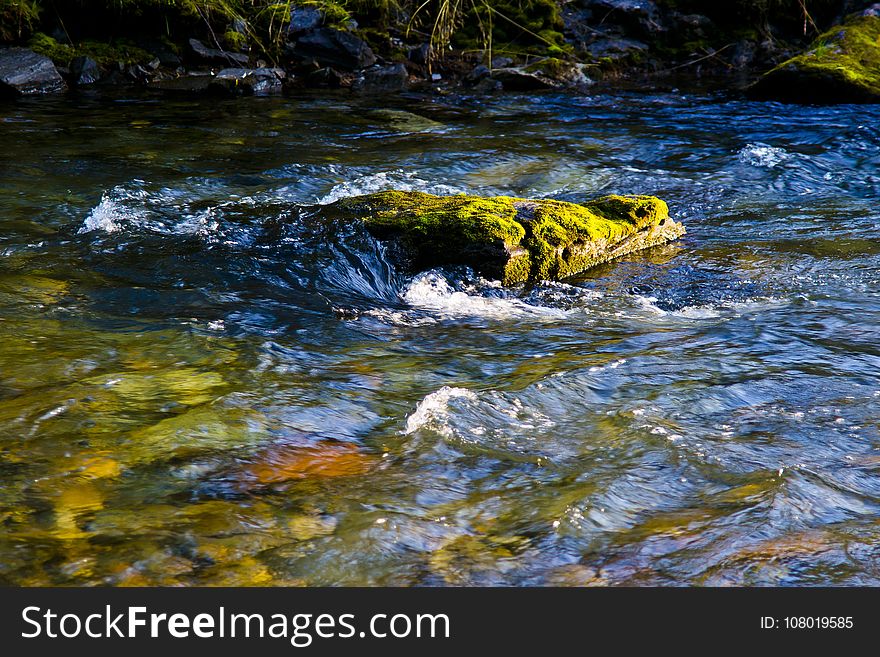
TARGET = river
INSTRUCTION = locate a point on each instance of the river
(201, 385)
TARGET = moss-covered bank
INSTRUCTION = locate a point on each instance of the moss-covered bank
(510, 238)
(842, 65)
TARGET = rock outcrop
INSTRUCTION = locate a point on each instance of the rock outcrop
(337, 48)
(248, 82)
(841, 66)
(512, 239)
(207, 55)
(23, 72)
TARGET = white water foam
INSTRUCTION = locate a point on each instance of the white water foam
(497, 421)
(762, 155)
(709, 311)
(203, 223)
(399, 318)
(377, 182)
(431, 291)
(165, 211)
(109, 216)
(433, 410)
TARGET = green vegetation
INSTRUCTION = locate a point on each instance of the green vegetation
(515, 26)
(532, 26)
(512, 238)
(842, 65)
(792, 15)
(17, 18)
(104, 53)
(493, 27)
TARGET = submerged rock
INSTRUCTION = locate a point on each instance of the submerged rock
(636, 16)
(285, 462)
(512, 239)
(23, 72)
(841, 66)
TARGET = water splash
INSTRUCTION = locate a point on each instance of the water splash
(433, 410)
(432, 291)
(763, 155)
(377, 182)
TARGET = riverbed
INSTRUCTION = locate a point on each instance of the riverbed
(201, 385)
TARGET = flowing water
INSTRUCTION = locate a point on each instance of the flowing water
(200, 383)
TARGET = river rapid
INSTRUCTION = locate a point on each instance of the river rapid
(200, 384)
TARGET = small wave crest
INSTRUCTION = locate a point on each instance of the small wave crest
(433, 410)
(377, 182)
(432, 291)
(707, 310)
(161, 211)
(501, 423)
(112, 213)
(762, 155)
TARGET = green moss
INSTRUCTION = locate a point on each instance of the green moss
(533, 26)
(552, 67)
(443, 220)
(511, 238)
(842, 65)
(335, 14)
(17, 17)
(111, 53)
(103, 53)
(234, 40)
(566, 238)
(45, 45)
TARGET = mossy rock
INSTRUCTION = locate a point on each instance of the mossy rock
(103, 53)
(512, 239)
(841, 66)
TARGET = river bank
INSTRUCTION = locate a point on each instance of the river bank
(534, 46)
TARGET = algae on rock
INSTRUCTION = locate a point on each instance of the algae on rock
(513, 239)
(841, 66)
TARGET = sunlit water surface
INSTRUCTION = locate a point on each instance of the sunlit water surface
(201, 385)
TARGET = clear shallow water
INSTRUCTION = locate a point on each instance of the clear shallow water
(202, 384)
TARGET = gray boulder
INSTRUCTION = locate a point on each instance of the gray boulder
(23, 72)
(183, 85)
(84, 71)
(248, 82)
(518, 79)
(303, 19)
(641, 17)
(420, 55)
(383, 79)
(208, 55)
(336, 48)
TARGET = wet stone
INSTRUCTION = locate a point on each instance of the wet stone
(384, 79)
(207, 55)
(185, 84)
(303, 19)
(336, 48)
(84, 71)
(517, 79)
(23, 72)
(248, 82)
